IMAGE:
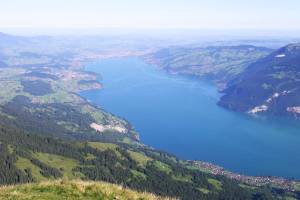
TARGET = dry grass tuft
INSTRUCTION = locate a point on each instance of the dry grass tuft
(71, 190)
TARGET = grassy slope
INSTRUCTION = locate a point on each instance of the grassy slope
(219, 63)
(24, 163)
(64, 164)
(85, 190)
(67, 165)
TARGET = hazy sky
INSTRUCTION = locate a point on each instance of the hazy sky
(187, 14)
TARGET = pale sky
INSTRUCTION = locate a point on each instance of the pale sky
(168, 14)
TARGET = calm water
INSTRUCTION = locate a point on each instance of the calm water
(180, 115)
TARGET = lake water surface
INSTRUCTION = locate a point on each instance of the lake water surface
(179, 115)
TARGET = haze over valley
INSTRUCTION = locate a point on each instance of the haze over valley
(159, 100)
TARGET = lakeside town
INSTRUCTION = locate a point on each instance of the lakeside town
(257, 181)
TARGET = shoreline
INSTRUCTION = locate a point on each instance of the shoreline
(281, 182)
(257, 181)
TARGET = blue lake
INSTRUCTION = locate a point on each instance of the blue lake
(179, 115)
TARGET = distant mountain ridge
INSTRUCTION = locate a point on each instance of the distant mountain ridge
(6, 40)
(269, 85)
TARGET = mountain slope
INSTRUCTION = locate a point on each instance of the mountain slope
(8, 40)
(219, 63)
(81, 190)
(270, 85)
(32, 158)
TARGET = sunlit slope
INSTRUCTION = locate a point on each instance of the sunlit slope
(85, 190)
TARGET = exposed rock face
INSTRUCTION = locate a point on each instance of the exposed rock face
(295, 109)
(102, 128)
(258, 109)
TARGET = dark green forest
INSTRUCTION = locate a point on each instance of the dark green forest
(116, 166)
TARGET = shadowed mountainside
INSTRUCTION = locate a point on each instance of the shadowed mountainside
(270, 85)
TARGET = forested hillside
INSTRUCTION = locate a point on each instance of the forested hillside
(29, 157)
(270, 85)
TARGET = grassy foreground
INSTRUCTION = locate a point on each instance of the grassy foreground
(61, 189)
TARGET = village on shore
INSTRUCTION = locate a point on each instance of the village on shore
(257, 181)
